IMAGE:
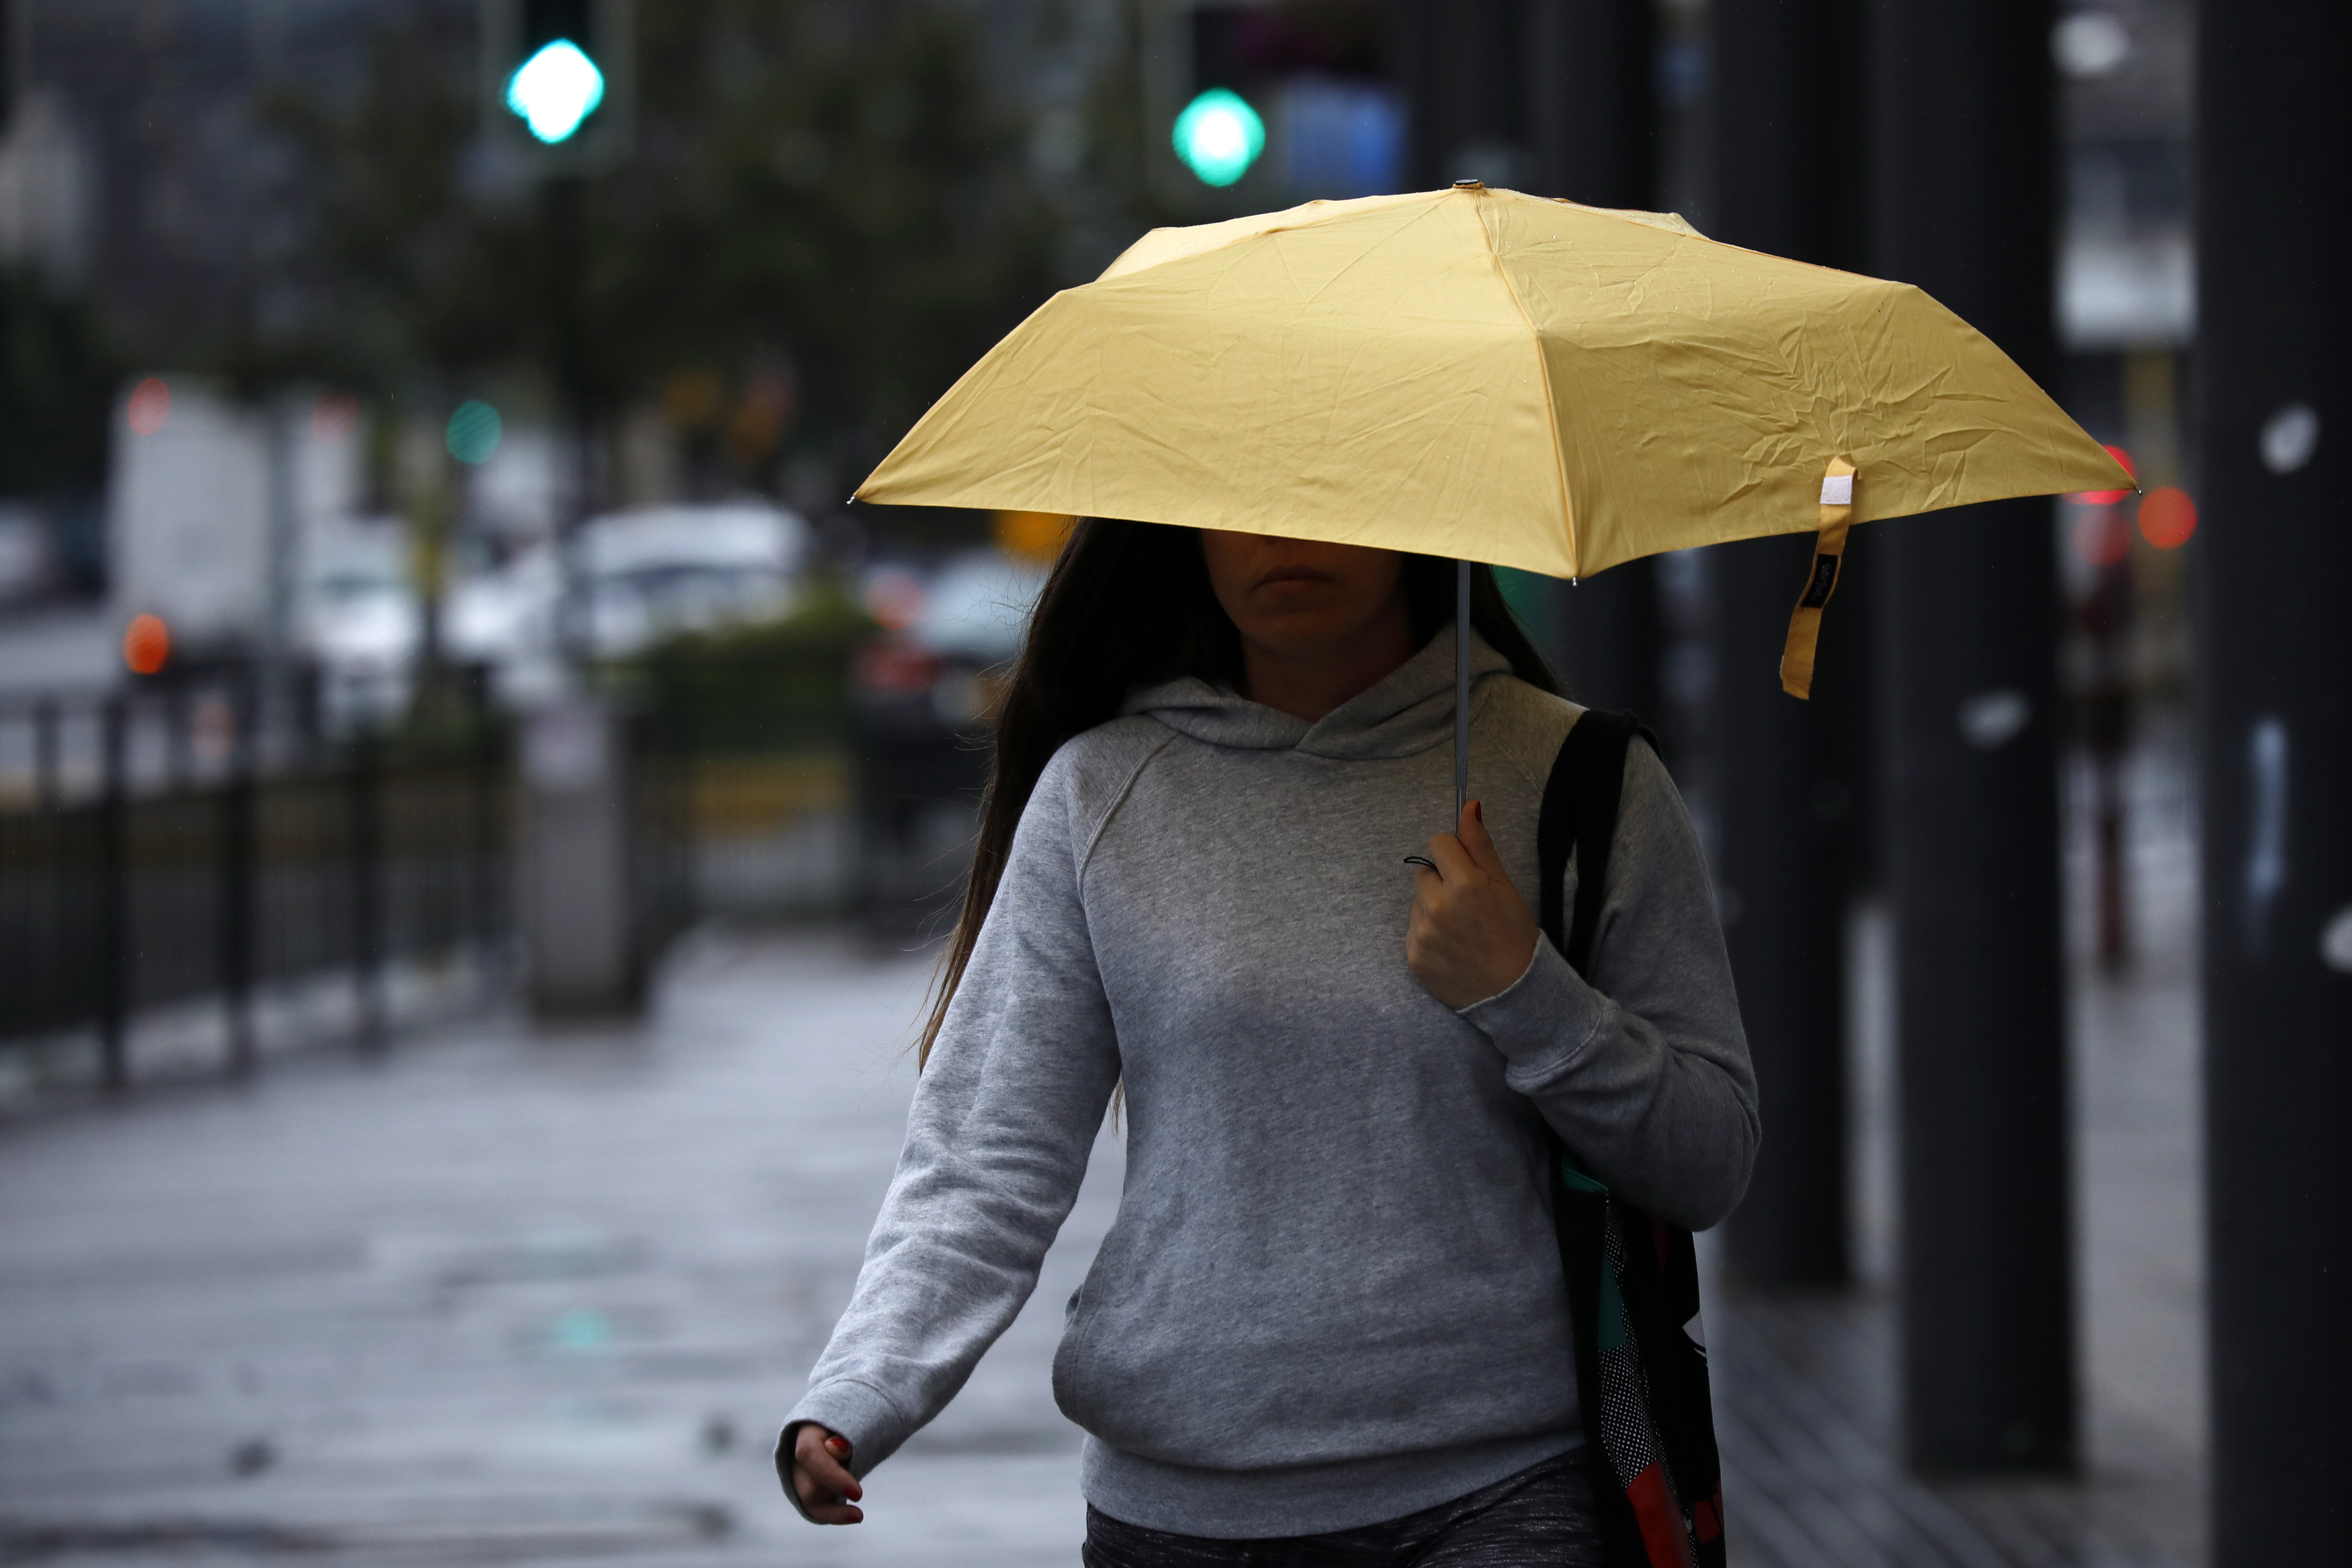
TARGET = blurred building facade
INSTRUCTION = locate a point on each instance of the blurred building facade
(146, 173)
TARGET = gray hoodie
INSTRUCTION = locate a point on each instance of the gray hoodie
(1331, 1295)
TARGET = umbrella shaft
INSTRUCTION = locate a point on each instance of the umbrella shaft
(1461, 687)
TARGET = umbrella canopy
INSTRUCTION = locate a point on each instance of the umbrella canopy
(1489, 376)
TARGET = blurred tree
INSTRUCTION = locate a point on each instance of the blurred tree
(826, 217)
(1123, 139)
(780, 686)
(837, 186)
(397, 279)
(57, 389)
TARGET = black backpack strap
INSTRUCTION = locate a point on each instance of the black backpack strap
(1672, 1512)
(1579, 812)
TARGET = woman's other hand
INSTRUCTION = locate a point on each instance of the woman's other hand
(1471, 935)
(821, 1476)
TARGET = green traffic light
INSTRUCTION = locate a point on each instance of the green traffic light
(1219, 136)
(555, 90)
(474, 432)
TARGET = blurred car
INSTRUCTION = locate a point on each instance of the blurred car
(950, 635)
(923, 692)
(643, 575)
(360, 624)
(667, 570)
(976, 607)
(23, 554)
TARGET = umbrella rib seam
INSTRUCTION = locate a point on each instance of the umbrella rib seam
(1551, 408)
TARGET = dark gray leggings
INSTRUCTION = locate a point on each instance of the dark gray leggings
(1541, 1518)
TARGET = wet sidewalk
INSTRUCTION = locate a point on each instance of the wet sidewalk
(504, 1296)
(509, 1295)
(1806, 1387)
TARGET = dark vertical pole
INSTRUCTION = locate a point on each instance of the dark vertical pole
(1556, 96)
(2274, 661)
(2104, 715)
(563, 231)
(1456, 62)
(11, 18)
(1781, 814)
(1786, 171)
(1613, 638)
(1962, 194)
(179, 753)
(366, 792)
(1590, 81)
(1587, 75)
(58, 943)
(488, 839)
(48, 785)
(678, 723)
(238, 879)
(114, 971)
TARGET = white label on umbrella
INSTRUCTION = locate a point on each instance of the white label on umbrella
(1837, 490)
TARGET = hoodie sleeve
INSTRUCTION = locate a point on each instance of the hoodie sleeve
(1002, 1121)
(1643, 1071)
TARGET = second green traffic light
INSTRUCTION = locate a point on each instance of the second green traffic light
(1219, 136)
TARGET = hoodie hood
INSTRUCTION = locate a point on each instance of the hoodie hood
(1409, 710)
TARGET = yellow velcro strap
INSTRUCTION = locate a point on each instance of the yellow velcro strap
(1829, 552)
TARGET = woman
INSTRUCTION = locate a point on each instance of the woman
(1328, 1324)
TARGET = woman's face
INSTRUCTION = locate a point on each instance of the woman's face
(1298, 597)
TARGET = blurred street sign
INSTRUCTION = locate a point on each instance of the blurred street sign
(558, 82)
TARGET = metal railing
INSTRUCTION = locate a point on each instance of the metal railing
(169, 848)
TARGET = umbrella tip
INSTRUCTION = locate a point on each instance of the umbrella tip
(1469, 184)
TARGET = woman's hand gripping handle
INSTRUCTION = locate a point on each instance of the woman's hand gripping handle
(821, 1476)
(1471, 936)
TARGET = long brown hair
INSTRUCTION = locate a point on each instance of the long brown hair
(1129, 605)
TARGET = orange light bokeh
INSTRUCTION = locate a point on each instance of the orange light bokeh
(148, 407)
(1033, 535)
(2167, 517)
(2109, 498)
(146, 645)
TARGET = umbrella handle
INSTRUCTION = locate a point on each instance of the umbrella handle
(1461, 688)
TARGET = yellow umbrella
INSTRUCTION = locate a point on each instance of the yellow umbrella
(1495, 377)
